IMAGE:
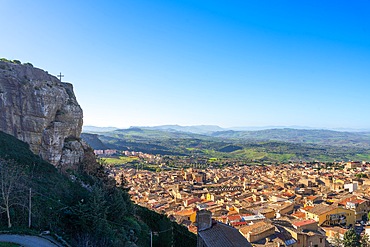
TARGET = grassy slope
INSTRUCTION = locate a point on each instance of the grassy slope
(57, 201)
(51, 190)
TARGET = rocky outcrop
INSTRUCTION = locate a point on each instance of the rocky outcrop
(37, 108)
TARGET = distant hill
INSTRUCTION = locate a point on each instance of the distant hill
(94, 129)
(144, 140)
(276, 145)
(145, 133)
(94, 141)
(309, 136)
(312, 136)
(195, 129)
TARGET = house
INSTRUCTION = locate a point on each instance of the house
(310, 238)
(351, 186)
(305, 225)
(331, 215)
(257, 231)
(312, 200)
(189, 201)
(352, 165)
(334, 233)
(186, 214)
(359, 206)
(216, 234)
(281, 208)
(267, 212)
(303, 232)
(233, 218)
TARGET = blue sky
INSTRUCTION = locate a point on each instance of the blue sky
(228, 63)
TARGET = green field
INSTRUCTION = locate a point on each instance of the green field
(121, 160)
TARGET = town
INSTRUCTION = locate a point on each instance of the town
(294, 204)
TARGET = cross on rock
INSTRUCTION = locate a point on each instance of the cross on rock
(60, 76)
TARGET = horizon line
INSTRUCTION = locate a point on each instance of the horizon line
(240, 128)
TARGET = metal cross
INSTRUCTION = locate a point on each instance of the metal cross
(60, 76)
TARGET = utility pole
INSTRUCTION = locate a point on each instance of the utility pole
(29, 209)
(172, 237)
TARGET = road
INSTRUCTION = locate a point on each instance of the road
(27, 241)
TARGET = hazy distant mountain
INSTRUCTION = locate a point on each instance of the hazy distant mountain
(316, 136)
(93, 140)
(255, 128)
(196, 129)
(92, 129)
(292, 135)
(208, 129)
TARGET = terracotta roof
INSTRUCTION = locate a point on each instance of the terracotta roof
(321, 209)
(256, 228)
(185, 212)
(240, 223)
(193, 200)
(340, 230)
(300, 215)
(232, 212)
(234, 217)
(307, 208)
(359, 201)
(288, 194)
(348, 199)
(311, 198)
(303, 223)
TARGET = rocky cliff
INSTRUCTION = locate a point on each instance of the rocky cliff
(37, 108)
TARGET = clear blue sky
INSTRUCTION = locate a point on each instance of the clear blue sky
(228, 63)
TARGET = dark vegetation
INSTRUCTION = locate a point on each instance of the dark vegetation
(84, 204)
(276, 145)
(164, 231)
(15, 61)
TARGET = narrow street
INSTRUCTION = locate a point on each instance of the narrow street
(27, 241)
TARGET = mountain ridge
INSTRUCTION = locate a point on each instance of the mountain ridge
(314, 136)
(199, 129)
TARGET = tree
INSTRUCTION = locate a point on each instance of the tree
(351, 239)
(91, 219)
(337, 241)
(12, 191)
(365, 241)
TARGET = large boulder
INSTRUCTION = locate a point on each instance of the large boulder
(39, 109)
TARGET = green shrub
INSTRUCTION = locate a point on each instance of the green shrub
(5, 60)
(28, 64)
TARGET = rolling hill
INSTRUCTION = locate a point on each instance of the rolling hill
(275, 145)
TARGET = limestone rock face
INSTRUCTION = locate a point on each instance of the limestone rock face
(37, 108)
